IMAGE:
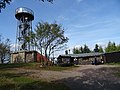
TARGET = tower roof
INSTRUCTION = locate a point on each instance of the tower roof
(24, 12)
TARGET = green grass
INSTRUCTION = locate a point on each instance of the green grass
(16, 81)
(10, 79)
(8, 66)
(57, 68)
(113, 63)
(34, 66)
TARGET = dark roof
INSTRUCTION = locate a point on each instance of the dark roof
(82, 55)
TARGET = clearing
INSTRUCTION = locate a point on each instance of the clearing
(84, 77)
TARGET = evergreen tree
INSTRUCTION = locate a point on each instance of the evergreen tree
(114, 48)
(81, 49)
(96, 48)
(111, 47)
(101, 49)
(86, 49)
(66, 52)
(76, 50)
(118, 47)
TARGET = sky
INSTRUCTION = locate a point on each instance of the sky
(87, 22)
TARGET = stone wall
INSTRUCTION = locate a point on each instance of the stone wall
(23, 56)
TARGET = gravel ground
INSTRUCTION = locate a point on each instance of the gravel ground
(85, 77)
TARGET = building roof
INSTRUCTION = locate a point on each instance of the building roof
(82, 55)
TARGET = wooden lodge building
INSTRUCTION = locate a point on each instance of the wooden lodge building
(88, 58)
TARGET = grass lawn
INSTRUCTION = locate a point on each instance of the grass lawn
(113, 63)
(11, 80)
(34, 66)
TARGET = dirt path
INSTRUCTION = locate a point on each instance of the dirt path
(85, 77)
(95, 78)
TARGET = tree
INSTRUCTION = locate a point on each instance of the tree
(111, 47)
(76, 50)
(66, 52)
(69, 51)
(96, 48)
(81, 49)
(86, 49)
(3, 3)
(50, 38)
(4, 49)
(101, 49)
(118, 47)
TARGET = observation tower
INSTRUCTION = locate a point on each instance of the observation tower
(24, 17)
(24, 49)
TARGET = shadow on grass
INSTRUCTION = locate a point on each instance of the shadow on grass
(7, 87)
(13, 81)
(44, 86)
(15, 65)
(36, 85)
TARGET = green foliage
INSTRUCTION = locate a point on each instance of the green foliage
(3, 3)
(101, 49)
(98, 48)
(50, 38)
(112, 47)
(81, 49)
(76, 50)
(86, 49)
(4, 49)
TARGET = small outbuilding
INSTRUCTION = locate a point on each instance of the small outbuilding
(27, 56)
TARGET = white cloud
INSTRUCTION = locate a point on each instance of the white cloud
(91, 24)
(61, 18)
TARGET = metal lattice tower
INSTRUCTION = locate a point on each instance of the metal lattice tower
(24, 18)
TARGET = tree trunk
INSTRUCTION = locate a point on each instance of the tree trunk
(2, 60)
(46, 54)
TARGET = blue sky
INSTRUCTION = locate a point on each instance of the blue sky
(85, 21)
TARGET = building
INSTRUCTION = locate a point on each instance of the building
(27, 56)
(88, 58)
(24, 48)
(111, 57)
(84, 58)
